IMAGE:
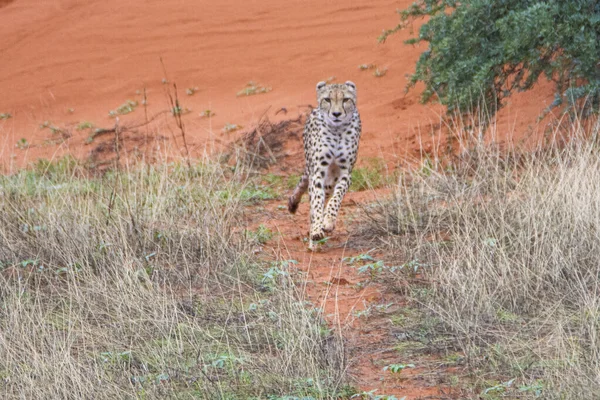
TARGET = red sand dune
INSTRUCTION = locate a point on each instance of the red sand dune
(92, 56)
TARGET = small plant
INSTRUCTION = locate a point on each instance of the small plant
(128, 107)
(355, 259)
(364, 67)
(272, 274)
(70, 110)
(178, 110)
(497, 389)
(397, 368)
(262, 234)
(366, 313)
(191, 90)
(22, 144)
(85, 125)
(373, 269)
(370, 395)
(207, 114)
(228, 128)
(370, 176)
(5, 116)
(330, 79)
(223, 361)
(378, 73)
(164, 81)
(383, 307)
(252, 89)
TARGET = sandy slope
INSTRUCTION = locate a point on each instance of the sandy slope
(91, 56)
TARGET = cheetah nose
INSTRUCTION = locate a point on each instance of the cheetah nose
(336, 114)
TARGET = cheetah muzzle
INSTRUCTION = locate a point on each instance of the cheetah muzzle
(331, 137)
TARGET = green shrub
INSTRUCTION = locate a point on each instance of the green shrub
(490, 49)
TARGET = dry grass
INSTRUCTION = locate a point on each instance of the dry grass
(141, 284)
(509, 242)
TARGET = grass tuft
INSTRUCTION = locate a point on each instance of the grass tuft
(510, 240)
(141, 284)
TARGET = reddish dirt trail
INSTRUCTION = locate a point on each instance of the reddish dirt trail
(343, 294)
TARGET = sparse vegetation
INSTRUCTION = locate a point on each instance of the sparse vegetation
(178, 110)
(207, 114)
(253, 88)
(5, 116)
(191, 90)
(128, 107)
(228, 128)
(142, 285)
(371, 175)
(22, 144)
(379, 72)
(510, 253)
(85, 125)
(364, 67)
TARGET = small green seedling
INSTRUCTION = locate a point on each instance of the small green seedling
(252, 89)
(397, 368)
(262, 234)
(499, 388)
(178, 110)
(207, 114)
(85, 125)
(373, 269)
(5, 116)
(370, 395)
(364, 67)
(378, 73)
(128, 107)
(360, 257)
(22, 144)
(228, 128)
(191, 90)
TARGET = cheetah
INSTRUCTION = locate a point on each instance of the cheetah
(331, 136)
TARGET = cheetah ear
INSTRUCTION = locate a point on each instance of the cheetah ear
(351, 85)
(321, 85)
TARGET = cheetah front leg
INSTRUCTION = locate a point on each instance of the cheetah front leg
(335, 202)
(316, 193)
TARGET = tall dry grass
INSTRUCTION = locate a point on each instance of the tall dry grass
(143, 284)
(510, 241)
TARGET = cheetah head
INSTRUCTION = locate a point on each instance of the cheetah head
(337, 101)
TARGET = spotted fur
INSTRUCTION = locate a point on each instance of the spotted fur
(331, 137)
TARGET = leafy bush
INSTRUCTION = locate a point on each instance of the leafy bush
(490, 49)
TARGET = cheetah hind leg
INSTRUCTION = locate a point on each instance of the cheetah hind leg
(296, 196)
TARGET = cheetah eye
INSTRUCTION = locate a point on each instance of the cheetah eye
(327, 99)
(346, 99)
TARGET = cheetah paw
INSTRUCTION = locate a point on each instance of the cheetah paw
(317, 235)
(329, 224)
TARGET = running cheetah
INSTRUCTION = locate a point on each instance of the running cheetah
(331, 136)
